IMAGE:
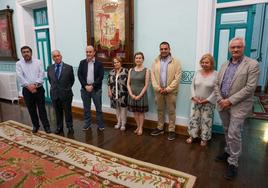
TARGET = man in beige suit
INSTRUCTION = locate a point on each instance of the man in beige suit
(234, 89)
(166, 74)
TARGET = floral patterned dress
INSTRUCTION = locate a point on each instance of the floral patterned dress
(118, 86)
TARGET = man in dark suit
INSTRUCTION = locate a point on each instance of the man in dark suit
(90, 74)
(61, 79)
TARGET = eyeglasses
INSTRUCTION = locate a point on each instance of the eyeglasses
(238, 47)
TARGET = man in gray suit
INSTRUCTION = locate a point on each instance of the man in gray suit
(234, 89)
(61, 79)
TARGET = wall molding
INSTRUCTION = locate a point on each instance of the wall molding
(205, 29)
(24, 17)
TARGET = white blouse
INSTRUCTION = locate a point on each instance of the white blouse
(203, 87)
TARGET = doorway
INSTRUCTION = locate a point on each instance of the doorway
(230, 23)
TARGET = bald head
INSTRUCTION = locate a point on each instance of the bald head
(56, 56)
(90, 52)
(55, 52)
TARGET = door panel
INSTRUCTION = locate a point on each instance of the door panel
(44, 54)
(223, 46)
(259, 47)
(230, 23)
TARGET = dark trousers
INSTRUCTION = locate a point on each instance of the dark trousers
(60, 107)
(96, 97)
(34, 102)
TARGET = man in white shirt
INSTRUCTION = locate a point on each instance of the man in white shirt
(30, 75)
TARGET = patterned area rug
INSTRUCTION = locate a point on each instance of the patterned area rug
(260, 109)
(48, 160)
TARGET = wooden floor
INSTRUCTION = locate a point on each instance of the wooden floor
(192, 159)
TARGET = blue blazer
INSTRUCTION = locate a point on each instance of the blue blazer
(98, 74)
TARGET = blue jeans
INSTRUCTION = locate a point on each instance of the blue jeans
(86, 98)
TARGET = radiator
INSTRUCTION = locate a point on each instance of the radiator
(8, 86)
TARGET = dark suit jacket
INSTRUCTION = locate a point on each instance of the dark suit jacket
(62, 88)
(98, 74)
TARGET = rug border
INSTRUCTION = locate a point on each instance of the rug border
(191, 180)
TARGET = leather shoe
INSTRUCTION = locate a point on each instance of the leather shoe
(47, 130)
(35, 129)
(86, 127)
(70, 130)
(171, 136)
(58, 131)
(222, 158)
(231, 172)
(156, 132)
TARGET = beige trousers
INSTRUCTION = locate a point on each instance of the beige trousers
(232, 132)
(163, 103)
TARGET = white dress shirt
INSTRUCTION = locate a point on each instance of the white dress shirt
(90, 71)
(31, 72)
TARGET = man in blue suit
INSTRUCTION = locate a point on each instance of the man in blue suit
(90, 75)
(61, 79)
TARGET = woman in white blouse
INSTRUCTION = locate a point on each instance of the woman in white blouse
(203, 97)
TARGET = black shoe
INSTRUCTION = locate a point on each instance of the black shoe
(70, 130)
(35, 129)
(101, 129)
(59, 131)
(231, 172)
(86, 127)
(47, 130)
(156, 132)
(171, 136)
(222, 158)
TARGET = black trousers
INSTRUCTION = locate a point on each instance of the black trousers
(63, 106)
(34, 102)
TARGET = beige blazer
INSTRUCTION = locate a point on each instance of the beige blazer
(242, 88)
(173, 75)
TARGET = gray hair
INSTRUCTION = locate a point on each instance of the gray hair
(55, 51)
(238, 38)
(90, 46)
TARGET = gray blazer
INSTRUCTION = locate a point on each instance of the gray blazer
(242, 88)
(62, 88)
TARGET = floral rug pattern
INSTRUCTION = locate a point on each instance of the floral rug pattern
(48, 160)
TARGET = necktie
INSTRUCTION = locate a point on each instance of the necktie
(57, 72)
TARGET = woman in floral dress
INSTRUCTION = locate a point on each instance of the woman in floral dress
(118, 93)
